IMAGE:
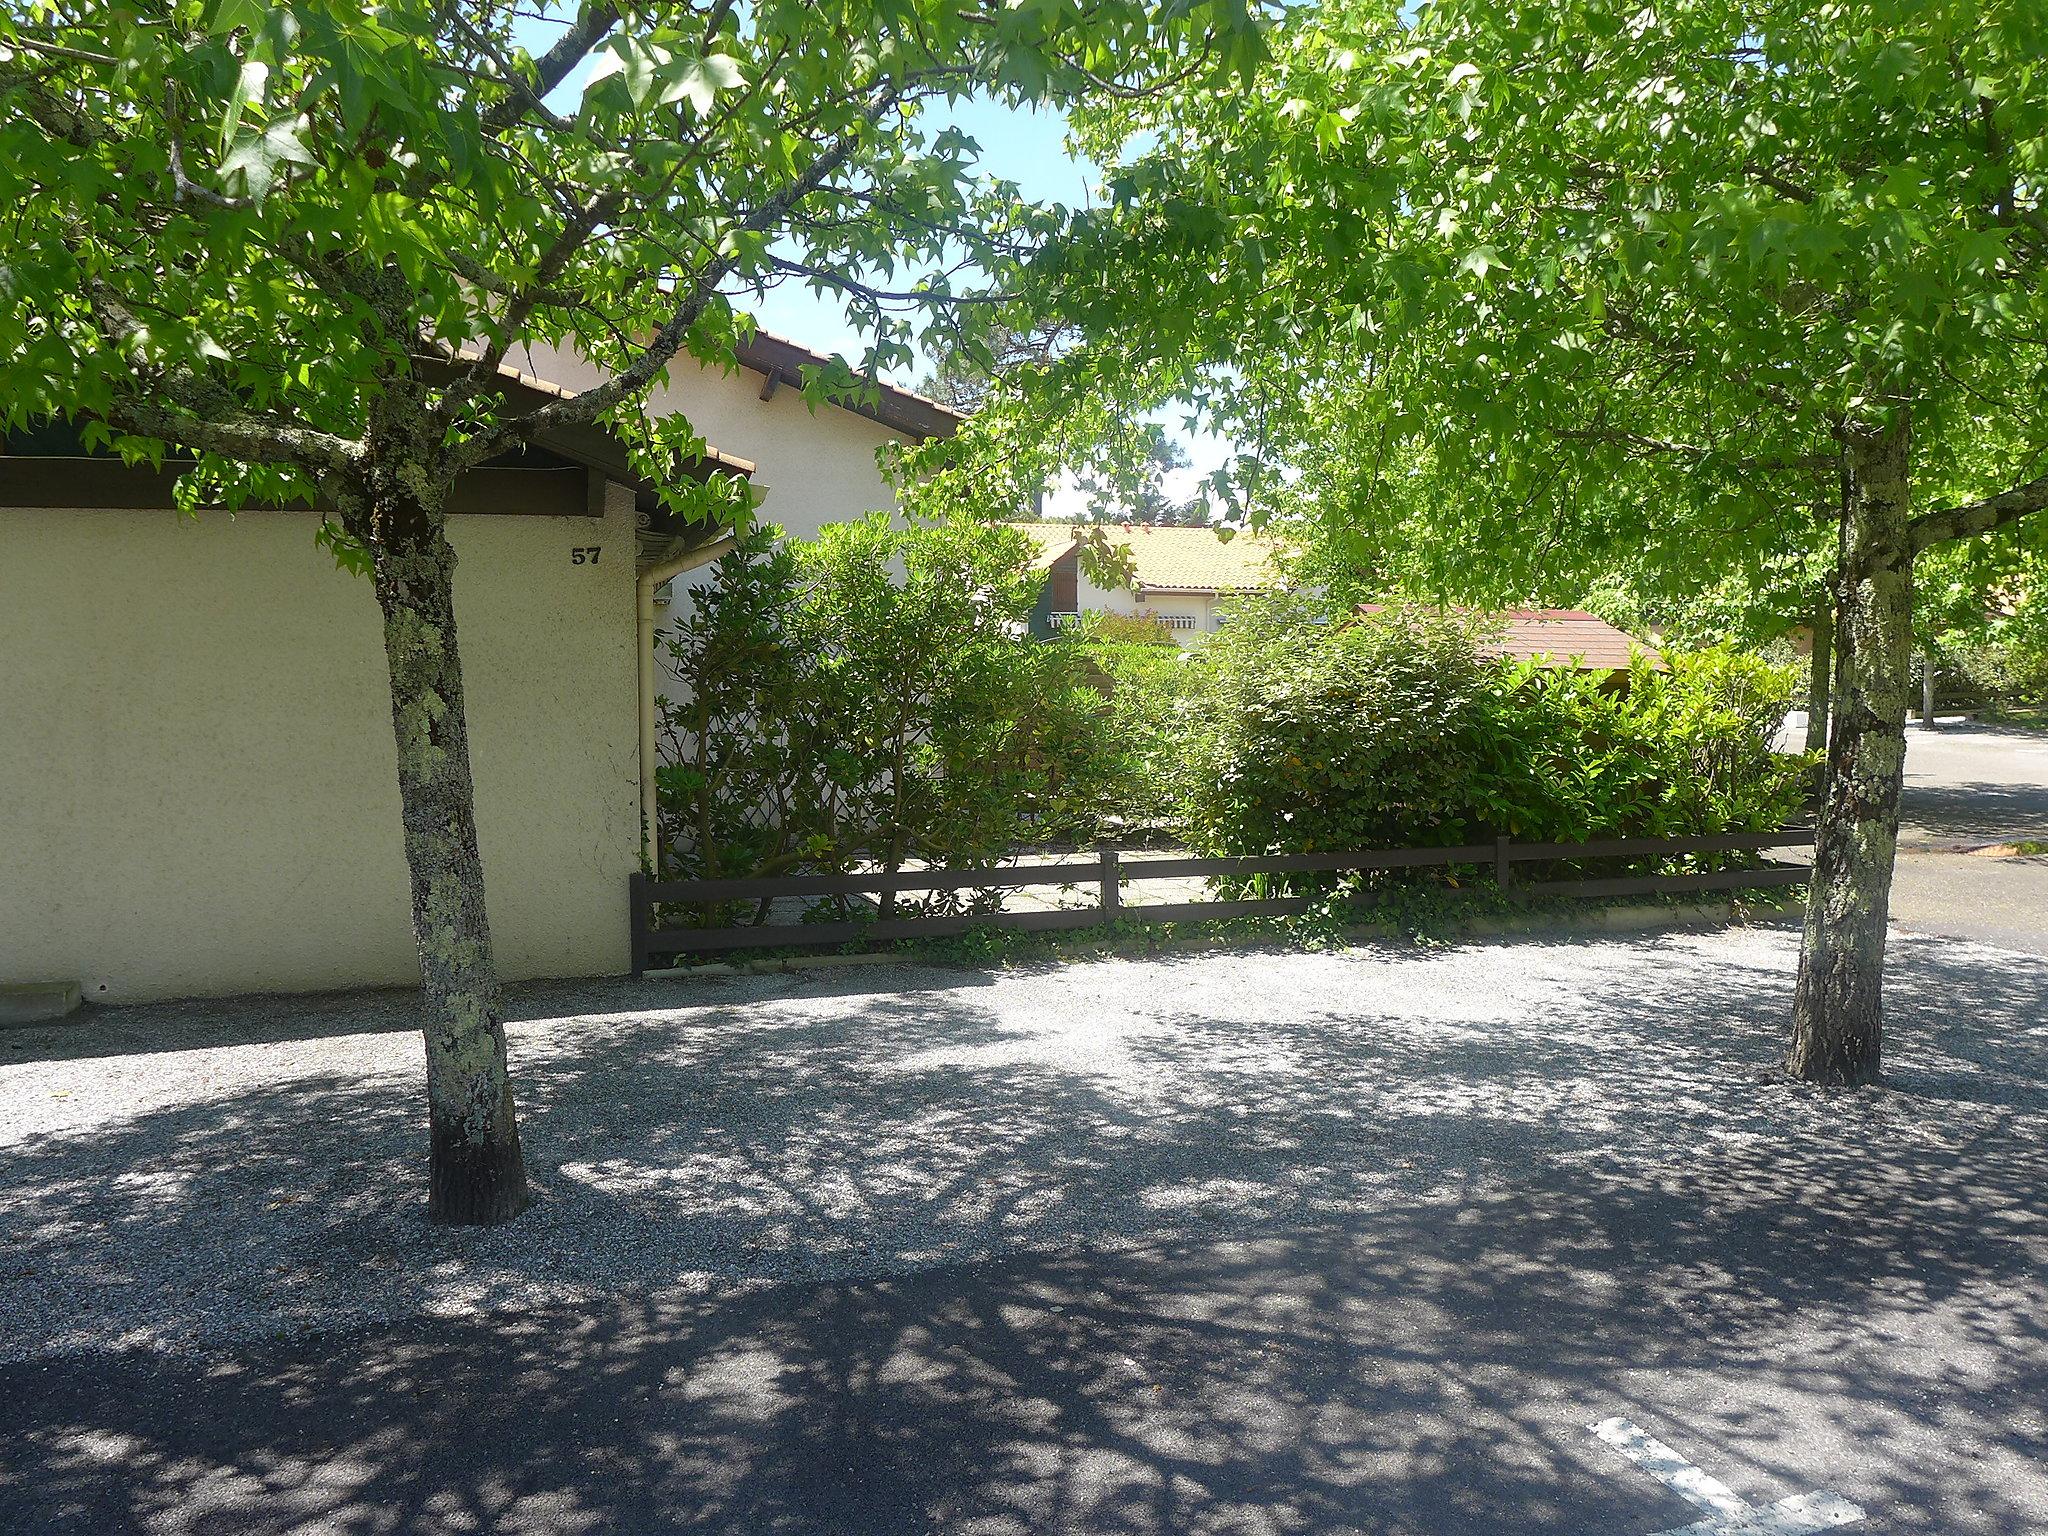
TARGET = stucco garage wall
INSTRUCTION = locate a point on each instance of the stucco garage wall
(198, 789)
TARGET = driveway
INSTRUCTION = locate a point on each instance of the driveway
(1245, 1242)
(1969, 786)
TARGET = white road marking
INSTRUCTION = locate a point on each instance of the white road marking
(1730, 1515)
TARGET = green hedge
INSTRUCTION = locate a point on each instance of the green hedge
(874, 696)
(1396, 730)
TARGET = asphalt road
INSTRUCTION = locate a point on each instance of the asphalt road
(1967, 786)
(1375, 1237)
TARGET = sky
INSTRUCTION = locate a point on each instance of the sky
(1027, 147)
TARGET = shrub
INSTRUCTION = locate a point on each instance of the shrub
(1145, 694)
(1118, 629)
(871, 696)
(2007, 672)
(874, 697)
(1395, 730)
(1315, 737)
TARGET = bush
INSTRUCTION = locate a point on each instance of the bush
(2005, 673)
(1120, 629)
(1144, 693)
(872, 696)
(1395, 730)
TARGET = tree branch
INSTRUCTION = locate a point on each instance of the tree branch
(1976, 517)
(592, 25)
(691, 304)
(180, 406)
(1697, 451)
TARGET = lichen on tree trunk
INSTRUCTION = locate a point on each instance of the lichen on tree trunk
(476, 1172)
(1820, 676)
(1838, 1009)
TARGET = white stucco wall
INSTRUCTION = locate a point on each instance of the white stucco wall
(1201, 607)
(817, 466)
(198, 789)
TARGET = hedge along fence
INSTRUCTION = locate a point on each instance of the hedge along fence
(1109, 872)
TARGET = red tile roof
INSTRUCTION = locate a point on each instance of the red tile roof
(1561, 637)
(1567, 637)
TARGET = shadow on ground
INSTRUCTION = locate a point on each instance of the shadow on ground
(1974, 812)
(1231, 1265)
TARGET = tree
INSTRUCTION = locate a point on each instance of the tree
(300, 239)
(1118, 462)
(1521, 293)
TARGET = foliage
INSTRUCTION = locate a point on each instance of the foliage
(1982, 614)
(1396, 730)
(1314, 737)
(872, 696)
(235, 224)
(1123, 629)
(1999, 673)
(1148, 689)
(1501, 301)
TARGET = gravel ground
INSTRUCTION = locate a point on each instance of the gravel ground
(183, 1175)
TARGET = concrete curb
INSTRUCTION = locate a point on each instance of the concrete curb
(1636, 917)
(24, 1003)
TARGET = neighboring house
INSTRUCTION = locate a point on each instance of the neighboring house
(1564, 637)
(1182, 576)
(197, 766)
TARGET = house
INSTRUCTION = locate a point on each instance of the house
(1563, 638)
(197, 765)
(822, 463)
(1181, 576)
(198, 768)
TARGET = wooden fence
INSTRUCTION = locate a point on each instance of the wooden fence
(1109, 871)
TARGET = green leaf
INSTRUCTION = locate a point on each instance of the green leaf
(256, 158)
(700, 81)
(226, 15)
(1481, 260)
(249, 82)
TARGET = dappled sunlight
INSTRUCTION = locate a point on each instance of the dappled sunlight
(769, 1128)
(1244, 1243)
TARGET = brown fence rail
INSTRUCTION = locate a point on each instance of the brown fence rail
(1109, 871)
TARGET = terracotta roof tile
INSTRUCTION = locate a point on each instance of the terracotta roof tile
(1561, 637)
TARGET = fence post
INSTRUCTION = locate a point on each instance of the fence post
(638, 915)
(1112, 893)
(1503, 874)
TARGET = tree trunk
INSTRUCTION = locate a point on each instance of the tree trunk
(1817, 692)
(476, 1173)
(1837, 1012)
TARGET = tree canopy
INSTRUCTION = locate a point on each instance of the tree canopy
(1508, 295)
(233, 221)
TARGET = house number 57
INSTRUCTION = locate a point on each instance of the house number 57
(587, 555)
